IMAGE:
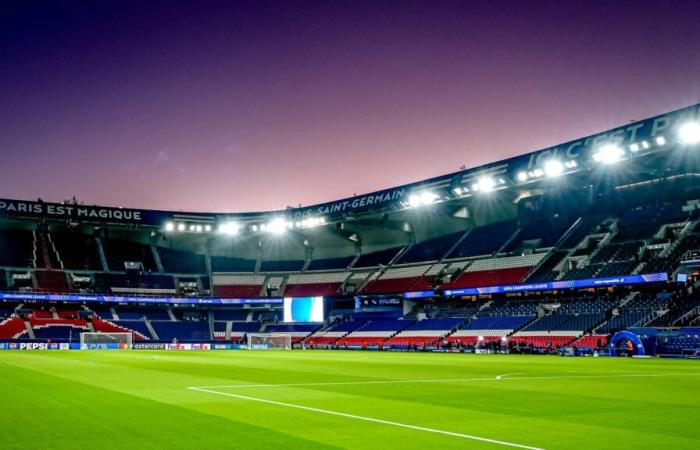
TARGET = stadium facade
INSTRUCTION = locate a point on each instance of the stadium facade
(559, 247)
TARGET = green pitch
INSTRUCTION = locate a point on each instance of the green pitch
(353, 400)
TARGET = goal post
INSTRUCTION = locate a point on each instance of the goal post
(269, 341)
(93, 341)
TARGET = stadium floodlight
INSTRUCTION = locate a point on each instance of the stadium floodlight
(660, 140)
(414, 200)
(427, 197)
(689, 133)
(609, 154)
(207, 228)
(522, 176)
(169, 226)
(421, 199)
(229, 228)
(634, 147)
(536, 173)
(309, 222)
(553, 168)
(484, 184)
(276, 226)
(645, 145)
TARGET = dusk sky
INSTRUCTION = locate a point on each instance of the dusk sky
(237, 106)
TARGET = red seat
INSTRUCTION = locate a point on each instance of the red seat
(412, 340)
(106, 326)
(361, 341)
(237, 291)
(542, 341)
(311, 289)
(321, 340)
(488, 278)
(591, 341)
(9, 328)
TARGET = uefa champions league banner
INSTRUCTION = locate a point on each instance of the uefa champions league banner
(555, 285)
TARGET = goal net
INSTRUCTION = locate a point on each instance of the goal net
(269, 341)
(90, 341)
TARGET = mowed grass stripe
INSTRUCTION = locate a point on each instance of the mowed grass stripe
(458, 400)
(641, 413)
(40, 411)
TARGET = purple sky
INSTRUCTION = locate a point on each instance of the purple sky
(242, 106)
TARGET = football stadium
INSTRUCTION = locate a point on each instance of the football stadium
(547, 301)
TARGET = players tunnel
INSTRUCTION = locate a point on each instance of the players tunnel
(619, 344)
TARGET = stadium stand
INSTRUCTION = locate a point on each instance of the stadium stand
(238, 315)
(17, 248)
(379, 258)
(228, 264)
(331, 263)
(51, 281)
(240, 329)
(291, 265)
(77, 251)
(400, 279)
(132, 283)
(315, 284)
(423, 333)
(373, 333)
(430, 250)
(488, 329)
(298, 331)
(334, 332)
(11, 328)
(138, 328)
(118, 252)
(182, 331)
(232, 286)
(484, 240)
(540, 233)
(177, 261)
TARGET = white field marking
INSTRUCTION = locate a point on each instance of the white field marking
(629, 375)
(509, 375)
(503, 377)
(369, 419)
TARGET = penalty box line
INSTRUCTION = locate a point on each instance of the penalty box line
(366, 419)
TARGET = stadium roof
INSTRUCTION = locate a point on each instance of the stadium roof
(638, 145)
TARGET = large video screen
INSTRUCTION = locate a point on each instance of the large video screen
(303, 309)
